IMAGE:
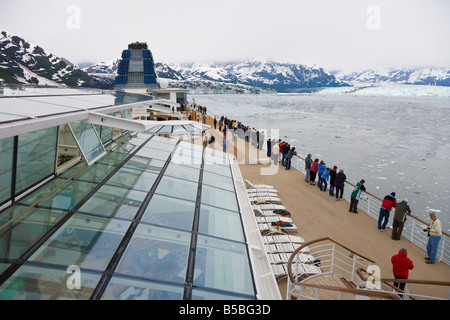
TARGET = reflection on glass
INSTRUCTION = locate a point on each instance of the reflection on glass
(177, 188)
(36, 157)
(87, 139)
(116, 202)
(141, 163)
(220, 223)
(120, 288)
(65, 197)
(219, 198)
(218, 169)
(85, 241)
(95, 173)
(170, 212)
(113, 158)
(30, 226)
(134, 179)
(40, 283)
(217, 180)
(182, 172)
(156, 253)
(6, 160)
(153, 153)
(222, 265)
(198, 294)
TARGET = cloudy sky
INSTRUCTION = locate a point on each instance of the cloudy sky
(334, 34)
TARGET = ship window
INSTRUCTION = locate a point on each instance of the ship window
(85, 241)
(228, 260)
(170, 212)
(6, 162)
(88, 141)
(124, 288)
(220, 223)
(156, 253)
(29, 225)
(219, 198)
(36, 157)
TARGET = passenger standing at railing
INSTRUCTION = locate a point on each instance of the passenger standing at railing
(388, 203)
(356, 193)
(320, 170)
(339, 184)
(308, 163)
(289, 156)
(313, 173)
(401, 210)
(280, 150)
(325, 176)
(434, 236)
(332, 180)
(401, 265)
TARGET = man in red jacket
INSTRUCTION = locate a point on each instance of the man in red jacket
(401, 265)
(388, 203)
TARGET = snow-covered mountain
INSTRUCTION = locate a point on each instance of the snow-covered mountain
(411, 76)
(24, 62)
(261, 73)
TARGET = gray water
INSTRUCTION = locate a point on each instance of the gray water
(396, 143)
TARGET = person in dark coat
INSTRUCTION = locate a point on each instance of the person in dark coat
(339, 184)
(401, 210)
(332, 180)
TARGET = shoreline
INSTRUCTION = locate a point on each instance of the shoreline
(318, 215)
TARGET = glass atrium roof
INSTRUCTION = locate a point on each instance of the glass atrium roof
(155, 218)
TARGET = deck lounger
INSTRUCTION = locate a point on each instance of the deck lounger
(258, 186)
(268, 229)
(260, 200)
(282, 258)
(279, 271)
(268, 206)
(273, 219)
(255, 193)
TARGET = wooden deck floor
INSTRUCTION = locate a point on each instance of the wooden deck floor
(318, 215)
(328, 279)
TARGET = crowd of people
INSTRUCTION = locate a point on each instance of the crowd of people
(282, 152)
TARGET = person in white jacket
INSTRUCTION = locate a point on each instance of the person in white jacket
(434, 236)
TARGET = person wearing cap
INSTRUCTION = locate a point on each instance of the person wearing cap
(354, 199)
(434, 236)
(332, 180)
(389, 202)
(401, 210)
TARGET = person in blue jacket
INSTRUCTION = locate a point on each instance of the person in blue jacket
(325, 176)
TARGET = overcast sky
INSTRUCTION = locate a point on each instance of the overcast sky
(334, 34)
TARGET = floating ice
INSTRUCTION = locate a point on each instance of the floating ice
(381, 178)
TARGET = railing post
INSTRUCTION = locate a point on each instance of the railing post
(332, 256)
(289, 289)
(407, 292)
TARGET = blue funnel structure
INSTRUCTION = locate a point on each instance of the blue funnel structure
(136, 71)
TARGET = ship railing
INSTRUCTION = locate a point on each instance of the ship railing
(338, 278)
(371, 204)
(344, 275)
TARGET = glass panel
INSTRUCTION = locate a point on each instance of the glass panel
(177, 188)
(153, 153)
(43, 283)
(216, 157)
(21, 234)
(95, 173)
(36, 157)
(165, 129)
(164, 140)
(116, 202)
(141, 163)
(198, 294)
(104, 132)
(134, 179)
(220, 223)
(159, 145)
(219, 198)
(222, 265)
(6, 160)
(182, 172)
(65, 197)
(178, 129)
(84, 241)
(156, 253)
(125, 148)
(87, 139)
(113, 158)
(218, 169)
(154, 129)
(218, 180)
(170, 212)
(121, 288)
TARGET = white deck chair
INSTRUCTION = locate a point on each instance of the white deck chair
(282, 258)
(279, 271)
(268, 206)
(264, 200)
(283, 238)
(268, 229)
(273, 219)
(258, 186)
(255, 193)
